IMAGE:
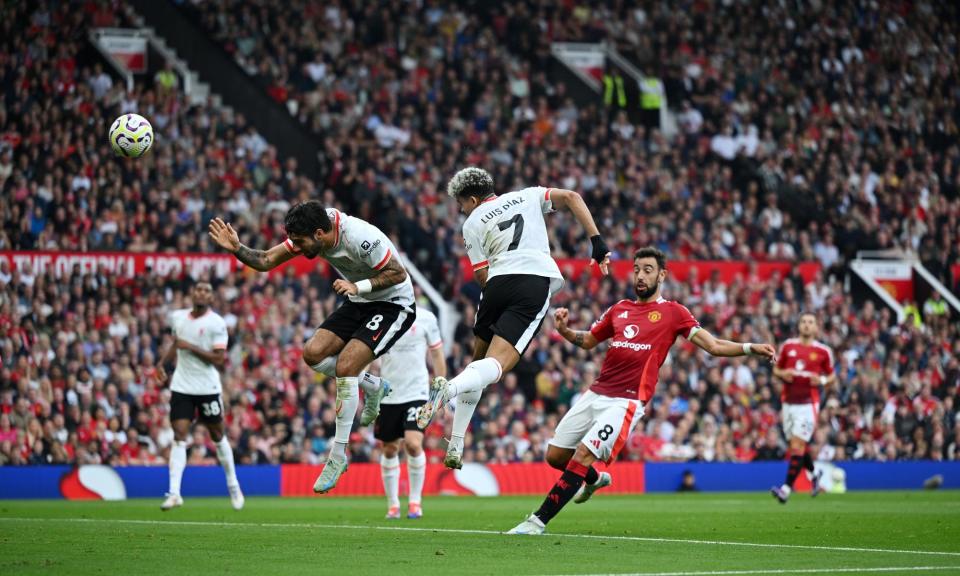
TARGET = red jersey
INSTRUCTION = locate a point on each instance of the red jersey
(641, 335)
(809, 362)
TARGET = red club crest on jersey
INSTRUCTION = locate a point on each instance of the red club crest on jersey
(654, 316)
(813, 356)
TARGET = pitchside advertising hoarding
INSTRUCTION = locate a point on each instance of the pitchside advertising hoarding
(218, 265)
(486, 480)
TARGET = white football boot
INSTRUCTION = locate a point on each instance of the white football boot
(587, 490)
(371, 404)
(172, 501)
(438, 397)
(330, 474)
(236, 497)
(532, 526)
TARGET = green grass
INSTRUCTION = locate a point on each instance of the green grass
(305, 536)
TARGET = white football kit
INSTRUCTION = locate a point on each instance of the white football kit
(405, 365)
(508, 235)
(192, 375)
(359, 252)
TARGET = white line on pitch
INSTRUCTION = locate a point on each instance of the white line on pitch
(788, 571)
(484, 532)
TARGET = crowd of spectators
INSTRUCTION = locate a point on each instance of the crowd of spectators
(839, 135)
(865, 156)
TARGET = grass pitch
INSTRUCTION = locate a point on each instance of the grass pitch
(695, 534)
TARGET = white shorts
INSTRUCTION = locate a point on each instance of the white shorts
(601, 423)
(799, 420)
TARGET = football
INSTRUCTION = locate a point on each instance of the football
(131, 135)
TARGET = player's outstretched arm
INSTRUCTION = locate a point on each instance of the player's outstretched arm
(717, 347)
(581, 338)
(574, 202)
(391, 274)
(262, 260)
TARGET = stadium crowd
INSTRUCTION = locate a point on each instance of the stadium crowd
(854, 149)
(841, 138)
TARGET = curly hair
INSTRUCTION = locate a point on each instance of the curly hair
(303, 219)
(470, 181)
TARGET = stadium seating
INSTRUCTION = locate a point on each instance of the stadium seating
(872, 151)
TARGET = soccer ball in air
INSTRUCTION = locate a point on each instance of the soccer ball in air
(131, 135)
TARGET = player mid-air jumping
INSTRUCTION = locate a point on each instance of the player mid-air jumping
(508, 246)
(379, 308)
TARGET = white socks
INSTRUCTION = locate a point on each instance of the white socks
(390, 472)
(348, 398)
(466, 405)
(178, 461)
(369, 383)
(328, 367)
(225, 454)
(416, 472)
(466, 388)
(475, 377)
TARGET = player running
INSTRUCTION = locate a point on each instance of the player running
(379, 308)
(200, 349)
(597, 426)
(405, 368)
(803, 364)
(507, 243)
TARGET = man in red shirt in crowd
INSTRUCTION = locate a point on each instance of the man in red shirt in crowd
(641, 333)
(803, 364)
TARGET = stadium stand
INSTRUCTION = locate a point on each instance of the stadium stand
(863, 155)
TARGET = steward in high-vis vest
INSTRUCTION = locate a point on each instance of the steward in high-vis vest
(651, 99)
(613, 90)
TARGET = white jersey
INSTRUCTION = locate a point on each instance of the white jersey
(405, 366)
(359, 252)
(508, 235)
(209, 332)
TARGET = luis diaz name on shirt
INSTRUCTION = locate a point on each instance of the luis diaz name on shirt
(499, 211)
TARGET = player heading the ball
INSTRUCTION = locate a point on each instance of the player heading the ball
(378, 310)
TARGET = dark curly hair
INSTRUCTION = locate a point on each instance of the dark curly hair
(303, 219)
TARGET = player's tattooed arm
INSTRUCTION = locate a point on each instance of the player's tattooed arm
(256, 259)
(390, 275)
(580, 338)
(262, 260)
